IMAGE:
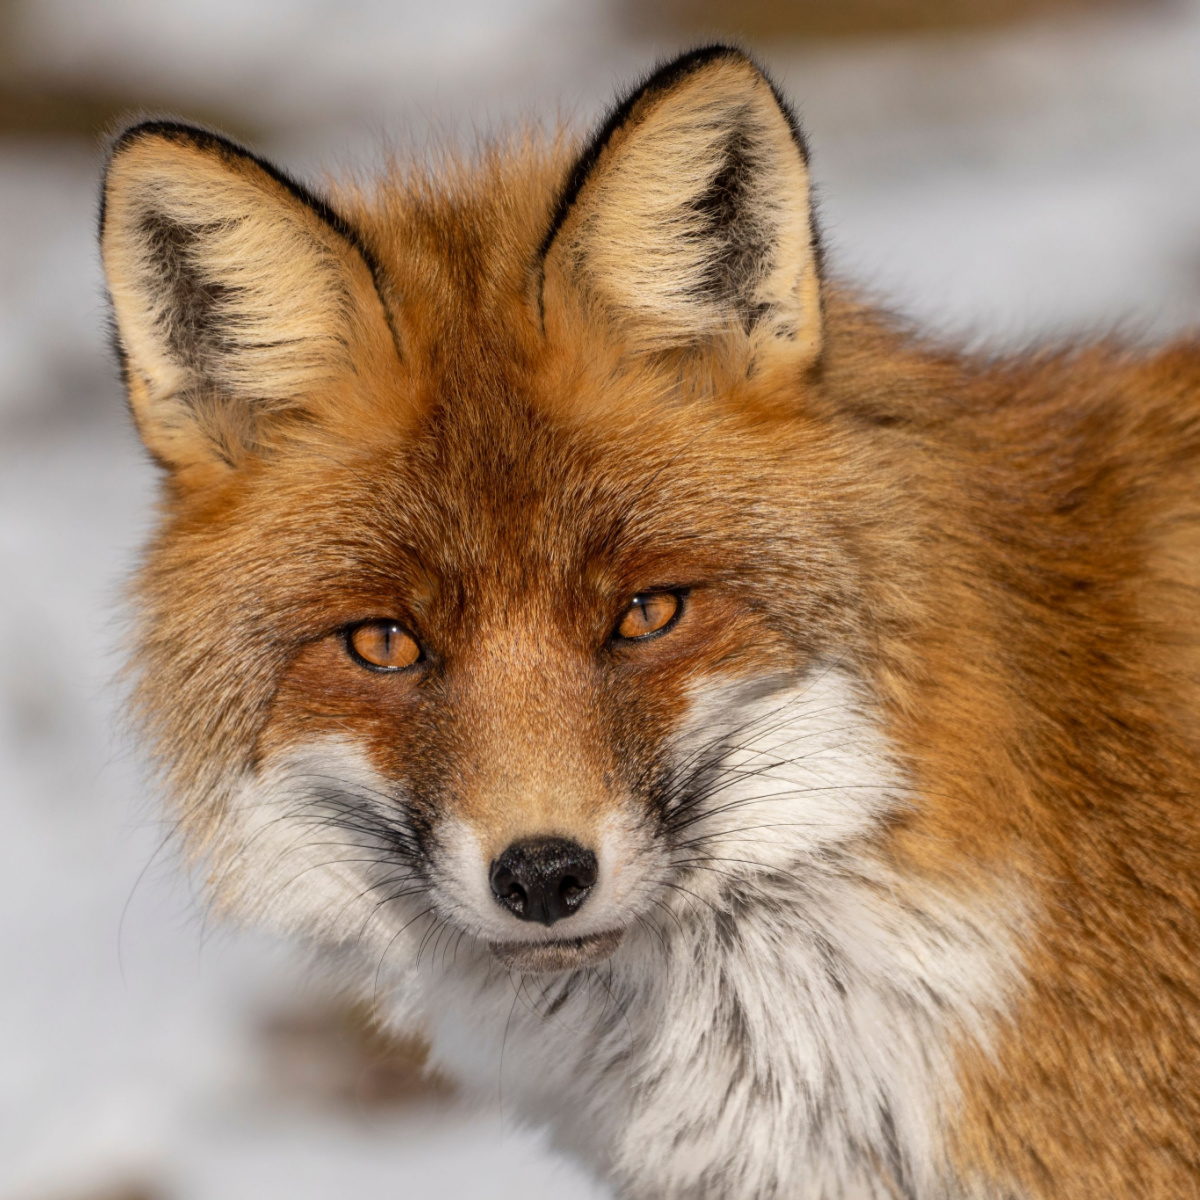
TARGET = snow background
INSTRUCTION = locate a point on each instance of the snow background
(1002, 186)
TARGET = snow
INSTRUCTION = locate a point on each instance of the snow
(1033, 181)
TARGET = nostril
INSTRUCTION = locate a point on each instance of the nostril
(507, 888)
(543, 879)
(574, 888)
(514, 896)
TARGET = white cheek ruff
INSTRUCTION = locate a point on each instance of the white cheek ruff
(782, 1015)
(774, 772)
(316, 844)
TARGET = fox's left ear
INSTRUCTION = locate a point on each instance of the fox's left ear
(688, 216)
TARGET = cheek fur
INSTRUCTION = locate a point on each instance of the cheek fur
(766, 774)
(316, 841)
(771, 772)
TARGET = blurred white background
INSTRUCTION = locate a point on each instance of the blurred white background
(1012, 176)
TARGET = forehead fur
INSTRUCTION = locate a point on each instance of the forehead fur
(458, 237)
(489, 446)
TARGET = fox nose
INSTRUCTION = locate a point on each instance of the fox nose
(543, 879)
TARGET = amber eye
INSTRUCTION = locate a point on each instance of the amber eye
(647, 614)
(384, 645)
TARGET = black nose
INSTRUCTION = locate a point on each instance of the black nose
(543, 879)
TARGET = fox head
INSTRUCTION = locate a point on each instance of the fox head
(518, 537)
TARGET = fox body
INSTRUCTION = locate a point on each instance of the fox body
(759, 740)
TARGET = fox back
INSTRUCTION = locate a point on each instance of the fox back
(767, 736)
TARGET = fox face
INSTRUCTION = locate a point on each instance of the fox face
(532, 582)
(540, 754)
(543, 729)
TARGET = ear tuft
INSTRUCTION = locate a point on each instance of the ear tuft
(688, 215)
(238, 294)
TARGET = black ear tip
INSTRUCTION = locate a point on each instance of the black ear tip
(173, 129)
(231, 153)
(168, 129)
(143, 127)
(693, 60)
(670, 71)
(665, 75)
(702, 55)
(674, 70)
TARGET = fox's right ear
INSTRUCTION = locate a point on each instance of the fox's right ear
(240, 299)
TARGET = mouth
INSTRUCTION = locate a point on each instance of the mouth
(567, 955)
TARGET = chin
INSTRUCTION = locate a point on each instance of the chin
(555, 955)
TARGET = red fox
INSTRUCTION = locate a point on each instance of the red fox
(768, 737)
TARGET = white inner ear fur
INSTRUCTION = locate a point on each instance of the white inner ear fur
(696, 219)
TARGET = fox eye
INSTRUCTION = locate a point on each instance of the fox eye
(383, 645)
(650, 612)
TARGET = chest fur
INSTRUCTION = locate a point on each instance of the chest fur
(802, 1045)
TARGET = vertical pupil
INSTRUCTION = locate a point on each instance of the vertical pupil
(386, 633)
(648, 613)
